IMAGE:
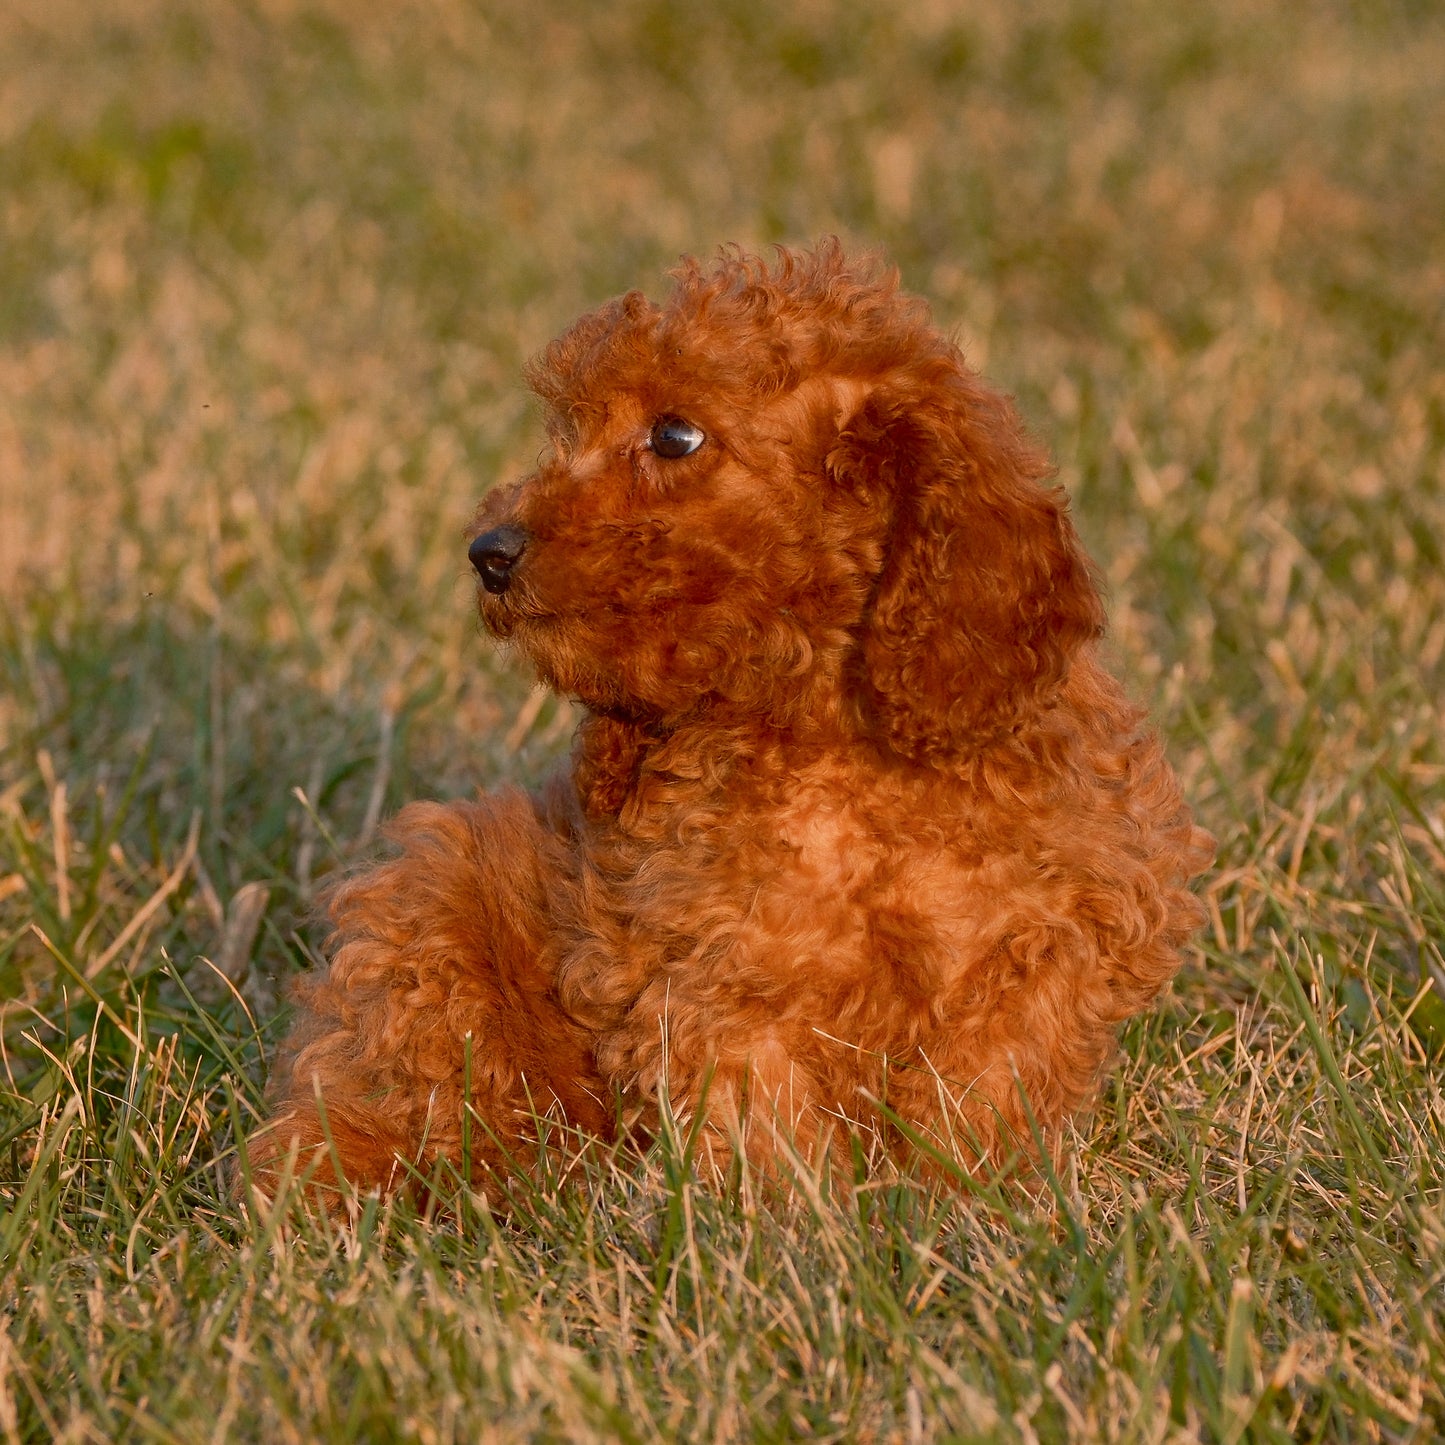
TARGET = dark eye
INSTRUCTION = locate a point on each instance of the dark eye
(672, 437)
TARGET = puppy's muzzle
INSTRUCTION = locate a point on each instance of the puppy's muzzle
(494, 554)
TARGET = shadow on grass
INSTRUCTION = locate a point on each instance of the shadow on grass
(168, 805)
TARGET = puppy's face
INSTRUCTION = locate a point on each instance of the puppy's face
(782, 490)
(680, 546)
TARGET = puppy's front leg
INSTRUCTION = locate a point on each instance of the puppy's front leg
(440, 979)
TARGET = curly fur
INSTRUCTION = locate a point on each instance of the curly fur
(857, 829)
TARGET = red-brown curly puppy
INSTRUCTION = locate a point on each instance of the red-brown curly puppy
(857, 828)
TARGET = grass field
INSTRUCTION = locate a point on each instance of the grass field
(268, 272)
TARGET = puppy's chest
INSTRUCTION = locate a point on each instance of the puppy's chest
(758, 901)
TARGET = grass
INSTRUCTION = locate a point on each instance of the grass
(268, 272)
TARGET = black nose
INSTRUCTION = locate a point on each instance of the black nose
(494, 554)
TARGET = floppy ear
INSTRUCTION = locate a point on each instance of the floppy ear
(985, 593)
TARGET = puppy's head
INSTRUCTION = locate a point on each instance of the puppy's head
(782, 489)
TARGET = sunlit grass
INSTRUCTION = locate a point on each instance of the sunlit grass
(268, 274)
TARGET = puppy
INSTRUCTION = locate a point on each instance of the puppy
(857, 836)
